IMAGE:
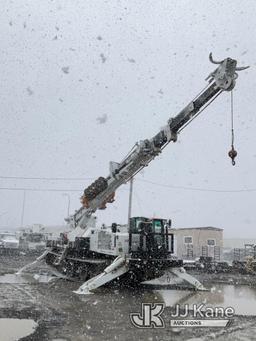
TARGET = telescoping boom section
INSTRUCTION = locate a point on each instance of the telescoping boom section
(102, 191)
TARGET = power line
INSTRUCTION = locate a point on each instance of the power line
(146, 181)
(141, 180)
(43, 178)
(28, 189)
(198, 188)
(39, 189)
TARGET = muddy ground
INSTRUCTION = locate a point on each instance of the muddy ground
(64, 315)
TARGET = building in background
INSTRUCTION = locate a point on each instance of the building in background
(194, 242)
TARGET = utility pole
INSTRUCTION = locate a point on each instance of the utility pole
(68, 196)
(23, 208)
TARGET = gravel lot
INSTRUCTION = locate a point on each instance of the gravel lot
(63, 315)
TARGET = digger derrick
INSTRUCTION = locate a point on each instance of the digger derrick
(101, 191)
(142, 249)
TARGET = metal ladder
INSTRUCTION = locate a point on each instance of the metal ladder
(61, 256)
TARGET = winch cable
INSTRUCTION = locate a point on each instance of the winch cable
(232, 153)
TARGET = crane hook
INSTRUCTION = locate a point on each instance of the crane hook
(232, 154)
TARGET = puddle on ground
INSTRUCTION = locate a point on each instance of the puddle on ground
(13, 279)
(240, 297)
(26, 278)
(14, 329)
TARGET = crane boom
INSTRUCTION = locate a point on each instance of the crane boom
(103, 189)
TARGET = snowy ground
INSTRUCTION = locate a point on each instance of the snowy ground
(63, 315)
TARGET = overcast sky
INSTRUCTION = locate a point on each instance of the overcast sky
(82, 81)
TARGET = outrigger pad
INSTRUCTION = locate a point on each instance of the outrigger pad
(181, 273)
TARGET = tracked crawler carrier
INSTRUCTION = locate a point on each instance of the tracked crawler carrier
(144, 239)
(142, 249)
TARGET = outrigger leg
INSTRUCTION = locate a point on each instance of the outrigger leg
(38, 259)
(180, 272)
(114, 270)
